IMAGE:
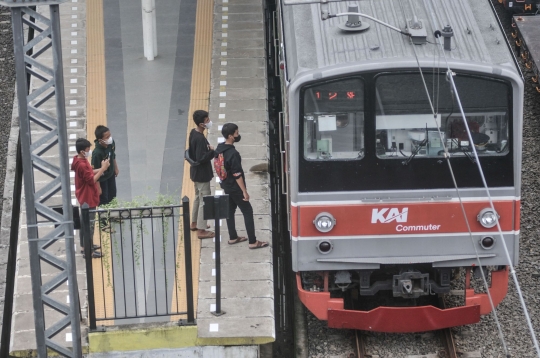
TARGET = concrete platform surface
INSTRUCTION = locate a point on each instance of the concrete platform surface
(238, 95)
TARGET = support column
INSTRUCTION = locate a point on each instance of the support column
(149, 29)
(43, 131)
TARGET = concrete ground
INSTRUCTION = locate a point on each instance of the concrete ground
(148, 101)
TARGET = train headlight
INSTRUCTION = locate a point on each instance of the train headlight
(488, 218)
(324, 222)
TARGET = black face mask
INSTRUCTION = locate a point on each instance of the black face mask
(237, 139)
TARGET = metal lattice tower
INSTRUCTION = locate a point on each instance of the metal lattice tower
(42, 116)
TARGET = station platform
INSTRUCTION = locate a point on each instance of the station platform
(210, 56)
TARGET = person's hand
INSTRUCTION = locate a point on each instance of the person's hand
(210, 147)
(116, 171)
(105, 163)
(246, 196)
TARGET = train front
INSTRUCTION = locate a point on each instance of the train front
(380, 234)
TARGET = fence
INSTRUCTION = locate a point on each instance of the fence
(138, 277)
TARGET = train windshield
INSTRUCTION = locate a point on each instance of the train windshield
(334, 120)
(406, 126)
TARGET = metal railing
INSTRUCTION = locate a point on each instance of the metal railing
(138, 277)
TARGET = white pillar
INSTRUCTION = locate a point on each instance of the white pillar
(149, 28)
(154, 23)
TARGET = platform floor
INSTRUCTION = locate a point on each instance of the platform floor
(239, 95)
(210, 56)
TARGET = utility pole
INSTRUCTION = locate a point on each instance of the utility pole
(149, 28)
(42, 117)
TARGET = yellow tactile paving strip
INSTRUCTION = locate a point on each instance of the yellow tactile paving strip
(96, 98)
(199, 99)
(96, 111)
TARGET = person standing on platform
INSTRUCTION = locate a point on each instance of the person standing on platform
(201, 173)
(105, 149)
(87, 189)
(234, 184)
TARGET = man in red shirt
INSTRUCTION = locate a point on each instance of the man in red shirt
(87, 189)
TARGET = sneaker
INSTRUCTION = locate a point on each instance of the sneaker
(96, 255)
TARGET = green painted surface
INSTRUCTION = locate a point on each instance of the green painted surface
(142, 339)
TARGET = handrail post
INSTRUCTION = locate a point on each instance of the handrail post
(188, 264)
(217, 240)
(87, 242)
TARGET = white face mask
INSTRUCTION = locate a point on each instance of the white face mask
(109, 141)
(208, 125)
(88, 154)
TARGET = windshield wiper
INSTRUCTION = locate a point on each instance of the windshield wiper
(468, 154)
(417, 149)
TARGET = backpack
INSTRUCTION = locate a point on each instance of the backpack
(219, 167)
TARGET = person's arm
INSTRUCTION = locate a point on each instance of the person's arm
(96, 160)
(92, 176)
(242, 186)
(104, 166)
(203, 154)
(116, 171)
(237, 171)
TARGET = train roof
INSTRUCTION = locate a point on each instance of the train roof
(311, 43)
(529, 29)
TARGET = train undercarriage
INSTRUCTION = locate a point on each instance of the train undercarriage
(400, 298)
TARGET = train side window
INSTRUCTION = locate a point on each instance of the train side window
(333, 120)
(405, 125)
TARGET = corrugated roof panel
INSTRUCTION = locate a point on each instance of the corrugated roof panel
(318, 44)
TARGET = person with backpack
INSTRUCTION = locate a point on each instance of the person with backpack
(201, 152)
(228, 166)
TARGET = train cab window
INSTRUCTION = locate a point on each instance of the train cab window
(405, 125)
(333, 120)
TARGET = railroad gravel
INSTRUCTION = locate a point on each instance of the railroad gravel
(484, 335)
(481, 339)
(7, 87)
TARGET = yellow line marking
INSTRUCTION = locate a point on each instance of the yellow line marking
(96, 98)
(199, 99)
(96, 113)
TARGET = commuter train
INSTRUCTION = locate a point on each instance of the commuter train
(381, 226)
(521, 6)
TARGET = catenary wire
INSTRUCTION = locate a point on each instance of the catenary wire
(447, 157)
(512, 270)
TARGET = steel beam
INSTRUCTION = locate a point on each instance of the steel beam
(42, 115)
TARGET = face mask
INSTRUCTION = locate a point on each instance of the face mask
(109, 141)
(237, 139)
(88, 154)
(208, 125)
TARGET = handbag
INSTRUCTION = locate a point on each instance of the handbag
(189, 159)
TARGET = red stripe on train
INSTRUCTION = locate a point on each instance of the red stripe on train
(401, 219)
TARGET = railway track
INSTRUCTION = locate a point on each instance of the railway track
(447, 340)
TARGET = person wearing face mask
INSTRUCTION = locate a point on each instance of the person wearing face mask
(87, 189)
(105, 149)
(201, 173)
(235, 186)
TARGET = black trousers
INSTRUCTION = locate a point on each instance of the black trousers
(237, 200)
(108, 190)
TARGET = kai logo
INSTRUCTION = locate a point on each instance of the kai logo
(387, 215)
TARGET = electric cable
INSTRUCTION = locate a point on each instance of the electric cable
(510, 265)
(462, 206)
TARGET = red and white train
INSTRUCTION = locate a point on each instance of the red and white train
(379, 223)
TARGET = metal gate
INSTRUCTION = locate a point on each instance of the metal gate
(138, 263)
